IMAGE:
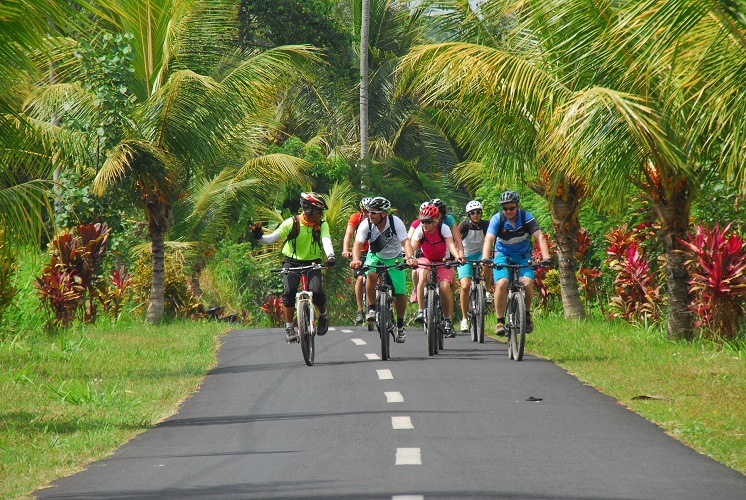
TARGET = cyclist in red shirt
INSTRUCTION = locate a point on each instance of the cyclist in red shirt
(434, 238)
(358, 274)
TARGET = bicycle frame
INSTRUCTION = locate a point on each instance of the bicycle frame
(305, 311)
(384, 305)
(477, 302)
(434, 313)
(515, 324)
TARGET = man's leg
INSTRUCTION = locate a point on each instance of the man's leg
(501, 302)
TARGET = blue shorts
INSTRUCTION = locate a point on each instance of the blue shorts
(514, 259)
(466, 270)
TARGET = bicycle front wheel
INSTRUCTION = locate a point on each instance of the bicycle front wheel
(517, 319)
(383, 313)
(480, 310)
(307, 337)
(431, 327)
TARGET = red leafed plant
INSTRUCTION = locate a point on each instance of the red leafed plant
(61, 293)
(718, 279)
(273, 308)
(637, 297)
(112, 294)
(70, 280)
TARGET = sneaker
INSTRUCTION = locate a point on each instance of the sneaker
(448, 328)
(359, 318)
(401, 335)
(290, 336)
(529, 324)
(500, 329)
(464, 325)
(419, 317)
(413, 297)
(488, 297)
(371, 316)
(323, 325)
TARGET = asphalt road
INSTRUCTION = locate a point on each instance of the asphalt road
(467, 423)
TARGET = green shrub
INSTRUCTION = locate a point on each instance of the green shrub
(8, 271)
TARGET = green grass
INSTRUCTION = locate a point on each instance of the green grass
(72, 398)
(695, 391)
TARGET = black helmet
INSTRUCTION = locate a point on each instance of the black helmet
(379, 204)
(509, 197)
(312, 201)
(437, 202)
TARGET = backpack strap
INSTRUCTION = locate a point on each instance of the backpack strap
(503, 219)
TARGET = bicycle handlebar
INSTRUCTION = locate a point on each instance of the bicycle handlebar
(297, 270)
(499, 267)
(433, 265)
(397, 265)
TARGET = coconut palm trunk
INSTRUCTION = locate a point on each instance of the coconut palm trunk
(673, 215)
(157, 224)
(566, 226)
(364, 75)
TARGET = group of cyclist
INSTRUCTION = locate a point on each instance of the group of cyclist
(379, 237)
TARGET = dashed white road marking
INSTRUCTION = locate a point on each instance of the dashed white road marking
(408, 497)
(385, 374)
(402, 423)
(331, 328)
(408, 456)
(346, 331)
(359, 342)
(394, 397)
(372, 356)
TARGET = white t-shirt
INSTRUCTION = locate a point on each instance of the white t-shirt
(392, 240)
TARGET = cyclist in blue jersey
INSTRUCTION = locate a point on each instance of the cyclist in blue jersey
(509, 236)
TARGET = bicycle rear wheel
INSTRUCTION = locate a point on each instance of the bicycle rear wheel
(441, 329)
(383, 313)
(431, 328)
(517, 335)
(479, 314)
(307, 337)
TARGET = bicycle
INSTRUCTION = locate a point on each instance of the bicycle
(477, 302)
(384, 301)
(434, 320)
(305, 312)
(515, 313)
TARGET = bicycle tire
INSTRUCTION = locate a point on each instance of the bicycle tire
(471, 313)
(441, 329)
(480, 311)
(307, 337)
(430, 324)
(517, 337)
(383, 313)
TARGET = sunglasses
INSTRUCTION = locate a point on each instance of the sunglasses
(428, 221)
(510, 209)
(313, 211)
(475, 212)
(371, 212)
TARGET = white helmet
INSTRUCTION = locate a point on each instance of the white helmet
(473, 205)
(424, 204)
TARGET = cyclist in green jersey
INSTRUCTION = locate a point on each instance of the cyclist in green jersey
(306, 235)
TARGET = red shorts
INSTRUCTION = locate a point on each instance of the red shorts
(443, 273)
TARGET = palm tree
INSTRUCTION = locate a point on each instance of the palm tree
(618, 106)
(24, 187)
(478, 83)
(200, 115)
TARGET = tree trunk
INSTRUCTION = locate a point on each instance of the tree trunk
(157, 222)
(566, 227)
(674, 218)
(364, 75)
